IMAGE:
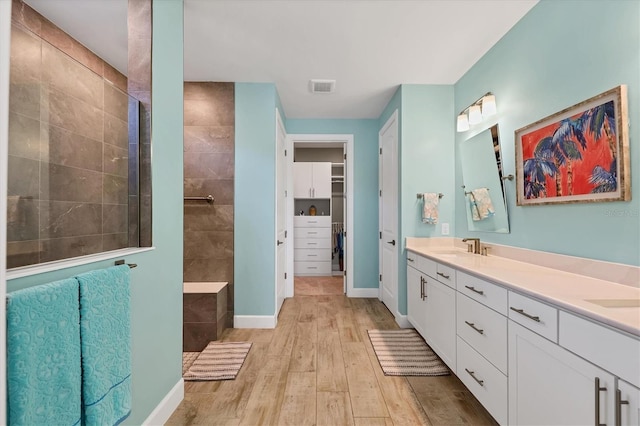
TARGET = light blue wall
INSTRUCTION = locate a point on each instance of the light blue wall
(426, 165)
(254, 209)
(365, 214)
(559, 54)
(156, 286)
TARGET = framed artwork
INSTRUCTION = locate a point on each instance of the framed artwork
(580, 154)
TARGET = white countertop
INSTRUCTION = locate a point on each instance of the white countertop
(566, 290)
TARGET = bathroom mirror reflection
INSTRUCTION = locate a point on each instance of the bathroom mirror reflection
(485, 200)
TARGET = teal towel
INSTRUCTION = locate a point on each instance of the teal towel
(43, 355)
(106, 345)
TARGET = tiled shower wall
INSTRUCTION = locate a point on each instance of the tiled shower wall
(209, 121)
(68, 146)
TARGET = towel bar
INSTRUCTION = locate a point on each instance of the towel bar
(440, 195)
(209, 199)
(507, 177)
(130, 265)
(469, 192)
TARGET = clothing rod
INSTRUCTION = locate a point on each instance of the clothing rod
(209, 199)
(130, 265)
(440, 195)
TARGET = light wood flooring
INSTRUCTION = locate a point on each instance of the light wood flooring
(317, 367)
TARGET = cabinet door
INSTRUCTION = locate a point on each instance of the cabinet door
(302, 180)
(321, 180)
(628, 401)
(549, 385)
(440, 323)
(415, 304)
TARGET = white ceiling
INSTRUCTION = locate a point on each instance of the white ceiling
(368, 46)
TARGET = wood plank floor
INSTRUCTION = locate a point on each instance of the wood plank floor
(317, 367)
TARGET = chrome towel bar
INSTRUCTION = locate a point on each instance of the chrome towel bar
(209, 199)
(130, 265)
(440, 195)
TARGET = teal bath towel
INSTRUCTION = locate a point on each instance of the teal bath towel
(106, 345)
(43, 355)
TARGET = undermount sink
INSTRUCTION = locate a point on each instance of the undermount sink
(615, 303)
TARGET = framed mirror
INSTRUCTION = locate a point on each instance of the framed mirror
(485, 199)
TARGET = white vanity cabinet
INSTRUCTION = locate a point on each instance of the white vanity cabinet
(627, 404)
(311, 180)
(431, 306)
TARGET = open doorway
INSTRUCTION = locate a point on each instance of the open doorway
(319, 214)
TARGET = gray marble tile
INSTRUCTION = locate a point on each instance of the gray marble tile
(116, 161)
(146, 236)
(115, 218)
(115, 131)
(115, 241)
(115, 190)
(62, 183)
(139, 19)
(139, 65)
(62, 147)
(60, 219)
(22, 218)
(23, 177)
(62, 110)
(204, 112)
(115, 77)
(197, 335)
(220, 93)
(23, 15)
(24, 99)
(64, 248)
(199, 307)
(207, 269)
(70, 46)
(64, 74)
(209, 139)
(134, 227)
(208, 165)
(221, 189)
(208, 217)
(22, 253)
(133, 172)
(116, 102)
(25, 64)
(24, 136)
(208, 245)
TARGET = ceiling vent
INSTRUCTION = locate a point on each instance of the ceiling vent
(322, 86)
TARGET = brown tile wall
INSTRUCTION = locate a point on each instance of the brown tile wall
(209, 122)
(68, 146)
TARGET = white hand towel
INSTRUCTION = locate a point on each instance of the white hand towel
(430, 207)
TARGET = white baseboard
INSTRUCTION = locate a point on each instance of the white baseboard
(370, 293)
(254, 321)
(167, 406)
(402, 321)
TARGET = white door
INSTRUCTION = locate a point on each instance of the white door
(388, 211)
(321, 180)
(281, 211)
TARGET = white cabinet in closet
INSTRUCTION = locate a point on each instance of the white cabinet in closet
(311, 180)
(312, 245)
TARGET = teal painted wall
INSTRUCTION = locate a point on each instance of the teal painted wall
(559, 54)
(254, 209)
(156, 286)
(365, 214)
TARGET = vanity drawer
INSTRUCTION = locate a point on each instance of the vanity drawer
(484, 381)
(312, 255)
(484, 329)
(446, 275)
(422, 264)
(312, 233)
(312, 221)
(481, 291)
(612, 350)
(312, 268)
(536, 316)
(311, 243)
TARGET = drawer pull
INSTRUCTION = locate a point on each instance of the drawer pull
(312, 244)
(443, 275)
(474, 289)
(597, 402)
(472, 325)
(522, 312)
(312, 255)
(312, 221)
(410, 259)
(619, 403)
(312, 267)
(423, 290)
(311, 232)
(472, 374)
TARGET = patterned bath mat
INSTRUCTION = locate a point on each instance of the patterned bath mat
(218, 361)
(404, 353)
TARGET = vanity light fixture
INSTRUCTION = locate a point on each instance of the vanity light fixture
(476, 112)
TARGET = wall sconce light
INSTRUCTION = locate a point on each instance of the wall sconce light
(476, 112)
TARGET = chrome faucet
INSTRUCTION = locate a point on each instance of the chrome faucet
(476, 244)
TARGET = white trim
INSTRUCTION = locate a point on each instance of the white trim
(167, 406)
(325, 139)
(280, 128)
(41, 268)
(369, 293)
(254, 321)
(5, 48)
(402, 321)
